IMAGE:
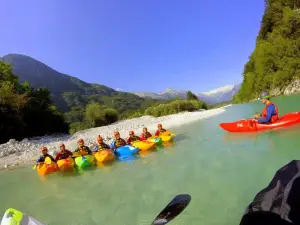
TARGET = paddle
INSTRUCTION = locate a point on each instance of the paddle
(173, 209)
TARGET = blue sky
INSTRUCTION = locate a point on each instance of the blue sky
(136, 45)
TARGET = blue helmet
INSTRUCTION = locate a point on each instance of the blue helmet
(264, 95)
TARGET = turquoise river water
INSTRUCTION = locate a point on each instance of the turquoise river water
(221, 171)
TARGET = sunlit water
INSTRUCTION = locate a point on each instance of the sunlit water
(222, 172)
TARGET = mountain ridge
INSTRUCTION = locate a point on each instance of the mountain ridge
(68, 91)
(215, 96)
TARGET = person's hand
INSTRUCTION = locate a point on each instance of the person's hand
(256, 116)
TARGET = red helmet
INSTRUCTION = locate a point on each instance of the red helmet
(116, 133)
(159, 125)
(131, 132)
(62, 145)
(80, 141)
(44, 149)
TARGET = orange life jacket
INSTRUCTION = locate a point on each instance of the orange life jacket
(273, 117)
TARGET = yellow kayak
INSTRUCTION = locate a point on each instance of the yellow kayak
(166, 136)
(104, 156)
(143, 145)
(66, 164)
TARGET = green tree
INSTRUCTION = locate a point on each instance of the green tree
(275, 61)
(94, 114)
(191, 96)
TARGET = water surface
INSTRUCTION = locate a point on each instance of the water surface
(222, 172)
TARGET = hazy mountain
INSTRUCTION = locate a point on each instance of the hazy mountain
(68, 91)
(222, 94)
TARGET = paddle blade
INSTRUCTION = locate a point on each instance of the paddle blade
(173, 209)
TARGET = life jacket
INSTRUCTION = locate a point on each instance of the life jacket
(119, 142)
(131, 139)
(64, 155)
(160, 131)
(83, 150)
(147, 135)
(273, 117)
(102, 146)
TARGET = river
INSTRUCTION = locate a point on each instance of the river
(222, 172)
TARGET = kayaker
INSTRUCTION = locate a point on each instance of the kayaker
(269, 113)
(42, 157)
(100, 145)
(132, 137)
(145, 134)
(82, 149)
(118, 141)
(159, 130)
(64, 153)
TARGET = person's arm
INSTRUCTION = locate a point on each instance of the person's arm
(39, 160)
(157, 133)
(270, 110)
(89, 150)
(51, 157)
(95, 149)
(113, 144)
(128, 141)
(57, 156)
(107, 146)
(142, 138)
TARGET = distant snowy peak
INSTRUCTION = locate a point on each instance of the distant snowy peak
(226, 88)
(222, 94)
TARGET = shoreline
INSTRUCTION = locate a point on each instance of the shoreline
(15, 154)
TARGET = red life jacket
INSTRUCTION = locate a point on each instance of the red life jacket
(273, 117)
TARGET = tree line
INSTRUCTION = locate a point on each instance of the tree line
(275, 61)
(28, 112)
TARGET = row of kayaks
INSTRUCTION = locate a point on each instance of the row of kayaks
(250, 125)
(104, 156)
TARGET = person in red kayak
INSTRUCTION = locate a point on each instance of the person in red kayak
(118, 141)
(64, 153)
(100, 145)
(269, 113)
(132, 137)
(159, 130)
(145, 134)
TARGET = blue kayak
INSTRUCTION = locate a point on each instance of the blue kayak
(126, 150)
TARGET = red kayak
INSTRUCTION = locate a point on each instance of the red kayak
(250, 125)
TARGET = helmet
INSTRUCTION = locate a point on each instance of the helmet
(159, 125)
(131, 132)
(62, 145)
(99, 138)
(44, 149)
(80, 141)
(264, 95)
(116, 133)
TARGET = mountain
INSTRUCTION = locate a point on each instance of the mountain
(219, 95)
(68, 91)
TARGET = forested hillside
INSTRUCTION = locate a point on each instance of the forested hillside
(275, 61)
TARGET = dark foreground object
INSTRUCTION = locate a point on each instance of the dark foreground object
(173, 209)
(279, 202)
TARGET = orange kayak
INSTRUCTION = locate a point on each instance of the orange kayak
(252, 126)
(104, 156)
(47, 168)
(66, 164)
